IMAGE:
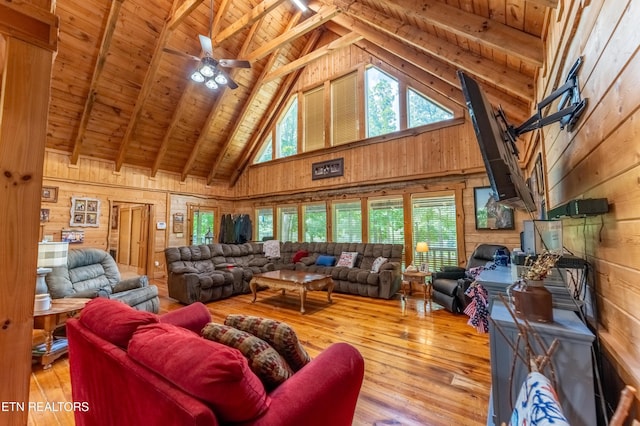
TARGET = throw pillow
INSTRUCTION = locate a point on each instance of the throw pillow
(299, 255)
(207, 370)
(348, 259)
(114, 321)
(278, 334)
(324, 260)
(378, 263)
(265, 361)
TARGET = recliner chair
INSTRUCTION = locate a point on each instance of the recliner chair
(451, 282)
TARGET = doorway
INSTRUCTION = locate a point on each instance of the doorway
(129, 240)
(202, 224)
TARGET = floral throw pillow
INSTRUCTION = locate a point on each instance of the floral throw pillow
(378, 263)
(348, 259)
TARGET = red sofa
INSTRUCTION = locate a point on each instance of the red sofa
(110, 386)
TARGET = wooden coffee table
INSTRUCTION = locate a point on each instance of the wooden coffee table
(292, 280)
(52, 318)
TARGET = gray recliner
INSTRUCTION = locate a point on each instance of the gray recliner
(450, 284)
(92, 272)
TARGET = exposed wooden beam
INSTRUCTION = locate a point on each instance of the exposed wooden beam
(246, 20)
(221, 100)
(344, 41)
(486, 32)
(30, 23)
(545, 3)
(246, 109)
(222, 10)
(323, 14)
(515, 84)
(105, 44)
(150, 77)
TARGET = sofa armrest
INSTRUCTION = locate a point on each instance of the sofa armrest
(331, 384)
(131, 283)
(448, 275)
(192, 317)
(390, 265)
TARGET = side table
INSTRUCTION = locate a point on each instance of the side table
(422, 278)
(49, 320)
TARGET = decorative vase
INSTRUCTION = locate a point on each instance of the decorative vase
(532, 301)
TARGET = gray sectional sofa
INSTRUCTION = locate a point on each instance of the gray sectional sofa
(204, 273)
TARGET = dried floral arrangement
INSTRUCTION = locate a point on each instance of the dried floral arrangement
(538, 269)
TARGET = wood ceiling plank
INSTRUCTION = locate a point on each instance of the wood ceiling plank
(246, 20)
(467, 25)
(545, 3)
(323, 14)
(107, 38)
(340, 43)
(149, 80)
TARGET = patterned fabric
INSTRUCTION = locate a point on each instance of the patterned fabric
(378, 263)
(271, 248)
(348, 259)
(477, 309)
(265, 361)
(278, 334)
(537, 404)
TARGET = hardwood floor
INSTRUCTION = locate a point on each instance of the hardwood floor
(423, 365)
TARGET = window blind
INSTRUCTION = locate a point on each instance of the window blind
(347, 222)
(434, 222)
(344, 109)
(288, 223)
(386, 221)
(314, 222)
(314, 119)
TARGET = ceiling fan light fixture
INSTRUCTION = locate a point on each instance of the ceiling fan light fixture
(197, 77)
(207, 67)
(220, 79)
(211, 83)
(300, 5)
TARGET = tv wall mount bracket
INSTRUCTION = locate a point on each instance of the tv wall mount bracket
(570, 107)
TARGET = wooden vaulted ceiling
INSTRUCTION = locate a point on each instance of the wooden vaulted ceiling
(121, 89)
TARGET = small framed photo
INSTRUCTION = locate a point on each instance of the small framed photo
(178, 223)
(489, 213)
(115, 210)
(49, 194)
(85, 212)
(44, 215)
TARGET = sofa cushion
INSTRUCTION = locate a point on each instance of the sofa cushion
(264, 360)
(278, 334)
(347, 259)
(299, 255)
(378, 263)
(221, 375)
(114, 321)
(324, 260)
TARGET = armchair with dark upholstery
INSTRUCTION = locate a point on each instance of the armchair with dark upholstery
(451, 282)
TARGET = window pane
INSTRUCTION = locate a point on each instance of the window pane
(386, 221)
(287, 132)
(344, 109)
(347, 222)
(266, 152)
(288, 223)
(265, 224)
(383, 103)
(202, 230)
(314, 119)
(422, 111)
(434, 222)
(315, 222)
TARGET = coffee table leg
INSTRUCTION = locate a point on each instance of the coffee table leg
(329, 290)
(303, 298)
(254, 289)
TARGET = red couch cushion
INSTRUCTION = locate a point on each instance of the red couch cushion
(207, 370)
(299, 255)
(278, 334)
(265, 361)
(114, 321)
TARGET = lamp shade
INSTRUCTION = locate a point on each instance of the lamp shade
(422, 247)
(52, 254)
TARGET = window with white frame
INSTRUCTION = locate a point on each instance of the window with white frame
(264, 223)
(314, 222)
(421, 110)
(287, 131)
(383, 102)
(288, 223)
(347, 221)
(266, 151)
(434, 222)
(386, 221)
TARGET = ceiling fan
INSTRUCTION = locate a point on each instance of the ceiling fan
(210, 70)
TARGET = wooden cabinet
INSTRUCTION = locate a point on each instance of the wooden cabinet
(571, 362)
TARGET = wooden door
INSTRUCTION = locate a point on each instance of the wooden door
(124, 240)
(139, 223)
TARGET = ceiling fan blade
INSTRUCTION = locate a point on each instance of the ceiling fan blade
(230, 83)
(234, 63)
(207, 46)
(178, 53)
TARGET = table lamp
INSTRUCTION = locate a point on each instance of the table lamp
(50, 255)
(423, 247)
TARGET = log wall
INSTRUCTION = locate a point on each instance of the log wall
(601, 159)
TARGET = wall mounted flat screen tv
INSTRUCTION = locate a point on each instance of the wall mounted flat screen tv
(498, 150)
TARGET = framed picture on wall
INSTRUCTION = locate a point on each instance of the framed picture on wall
(85, 212)
(488, 213)
(49, 194)
(178, 223)
(114, 217)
